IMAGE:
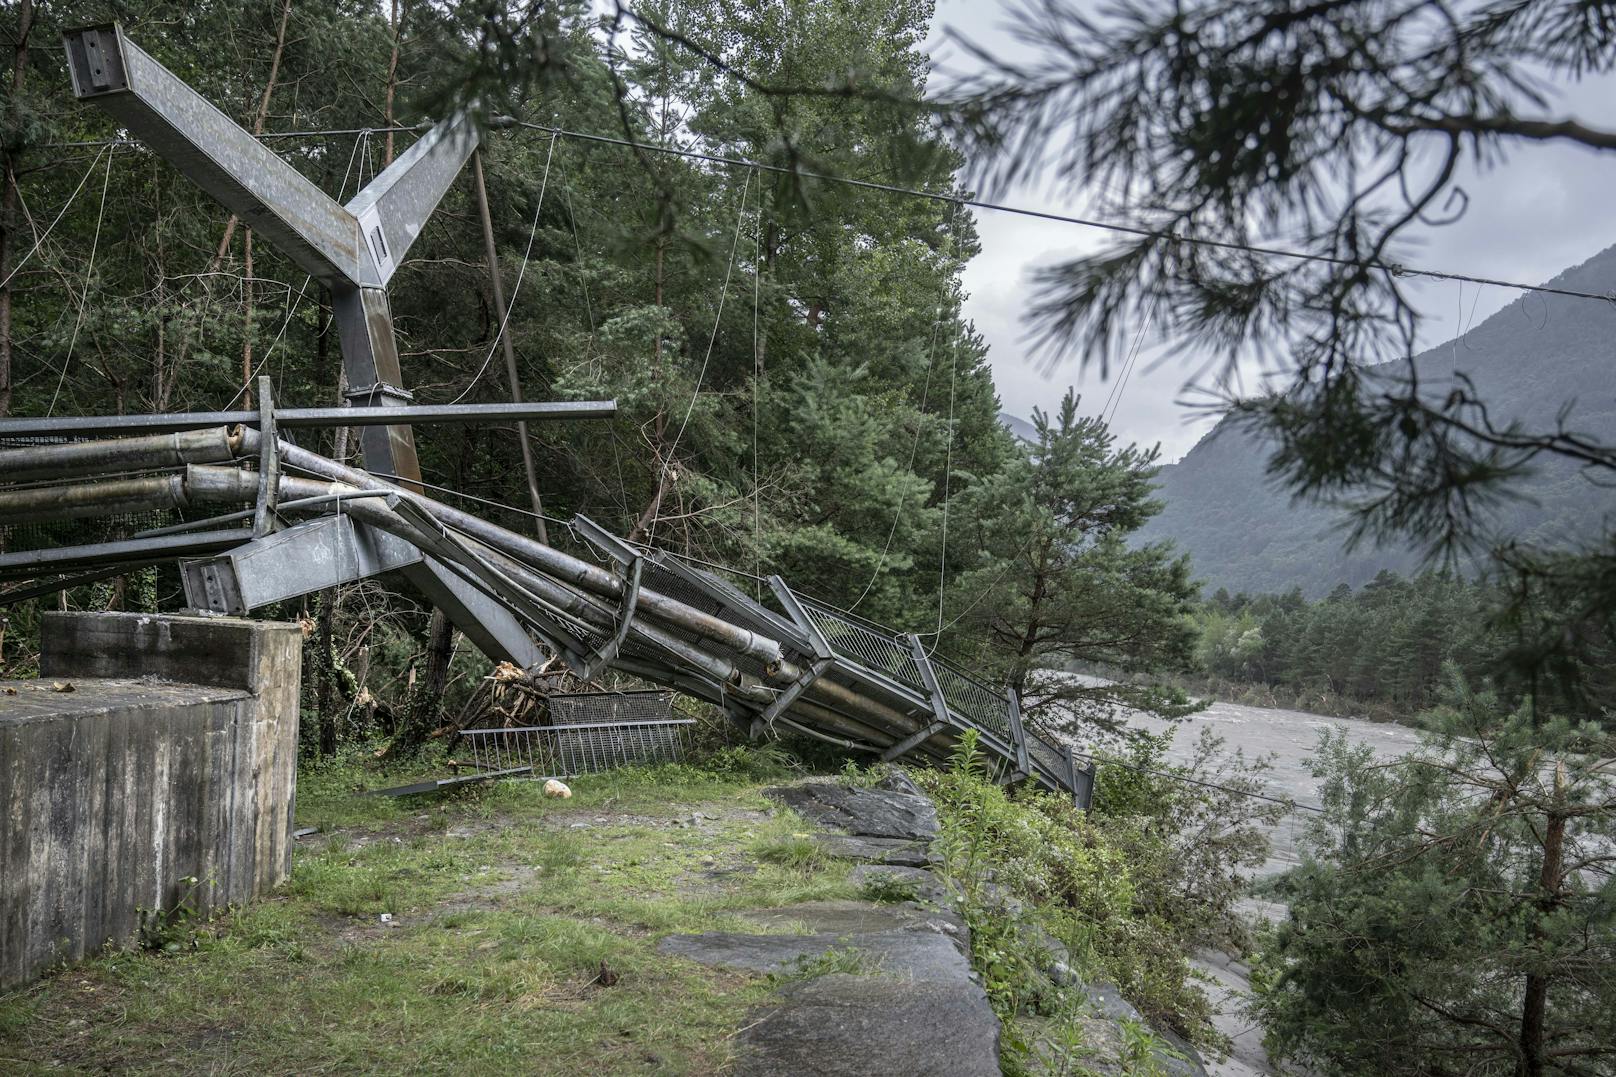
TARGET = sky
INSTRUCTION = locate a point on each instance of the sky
(1544, 210)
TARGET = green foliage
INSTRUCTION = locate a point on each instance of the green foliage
(1457, 905)
(517, 942)
(789, 842)
(887, 888)
(1104, 887)
(170, 930)
(848, 960)
(1386, 648)
(1057, 580)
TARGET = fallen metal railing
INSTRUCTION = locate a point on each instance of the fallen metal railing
(566, 751)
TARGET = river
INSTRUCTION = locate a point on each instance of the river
(1290, 738)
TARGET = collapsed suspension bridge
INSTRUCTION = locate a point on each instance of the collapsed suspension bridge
(266, 521)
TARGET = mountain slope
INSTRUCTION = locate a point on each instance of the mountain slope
(1527, 361)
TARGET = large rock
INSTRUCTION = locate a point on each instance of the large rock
(907, 954)
(855, 917)
(869, 988)
(919, 883)
(840, 1025)
(894, 852)
(891, 810)
(919, 951)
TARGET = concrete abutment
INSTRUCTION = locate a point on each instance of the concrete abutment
(153, 765)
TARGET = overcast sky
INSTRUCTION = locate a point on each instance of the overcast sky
(1544, 210)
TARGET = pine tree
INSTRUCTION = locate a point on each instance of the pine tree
(1457, 910)
(1056, 582)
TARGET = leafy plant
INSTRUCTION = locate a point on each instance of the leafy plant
(173, 929)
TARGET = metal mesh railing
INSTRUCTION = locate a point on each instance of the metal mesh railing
(570, 750)
(870, 647)
(584, 708)
(987, 708)
(1045, 753)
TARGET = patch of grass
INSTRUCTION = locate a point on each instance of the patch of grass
(523, 937)
(844, 959)
(888, 888)
(789, 842)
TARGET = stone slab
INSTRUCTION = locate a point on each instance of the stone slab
(855, 917)
(872, 813)
(923, 884)
(839, 1025)
(891, 851)
(903, 955)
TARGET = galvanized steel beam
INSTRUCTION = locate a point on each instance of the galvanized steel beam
(1018, 732)
(393, 208)
(928, 677)
(912, 741)
(354, 249)
(125, 551)
(488, 624)
(222, 158)
(292, 419)
(300, 560)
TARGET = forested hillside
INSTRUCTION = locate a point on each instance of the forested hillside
(797, 390)
(806, 319)
(1537, 355)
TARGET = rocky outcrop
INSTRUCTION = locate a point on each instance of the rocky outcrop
(893, 809)
(886, 987)
(869, 987)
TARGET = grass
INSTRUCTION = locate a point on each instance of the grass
(522, 937)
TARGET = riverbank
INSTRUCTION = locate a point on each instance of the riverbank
(1317, 702)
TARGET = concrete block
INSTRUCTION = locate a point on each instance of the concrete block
(230, 652)
(172, 759)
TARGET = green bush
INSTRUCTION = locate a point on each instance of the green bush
(1076, 881)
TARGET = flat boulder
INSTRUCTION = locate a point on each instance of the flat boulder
(916, 883)
(840, 1025)
(895, 852)
(934, 956)
(877, 812)
(855, 917)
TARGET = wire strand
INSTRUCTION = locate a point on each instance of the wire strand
(757, 379)
(342, 188)
(88, 172)
(948, 481)
(914, 445)
(84, 296)
(1395, 268)
(723, 293)
(1114, 400)
(516, 289)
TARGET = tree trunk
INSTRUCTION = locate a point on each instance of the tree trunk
(326, 672)
(396, 20)
(425, 710)
(1028, 643)
(1551, 880)
(8, 208)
